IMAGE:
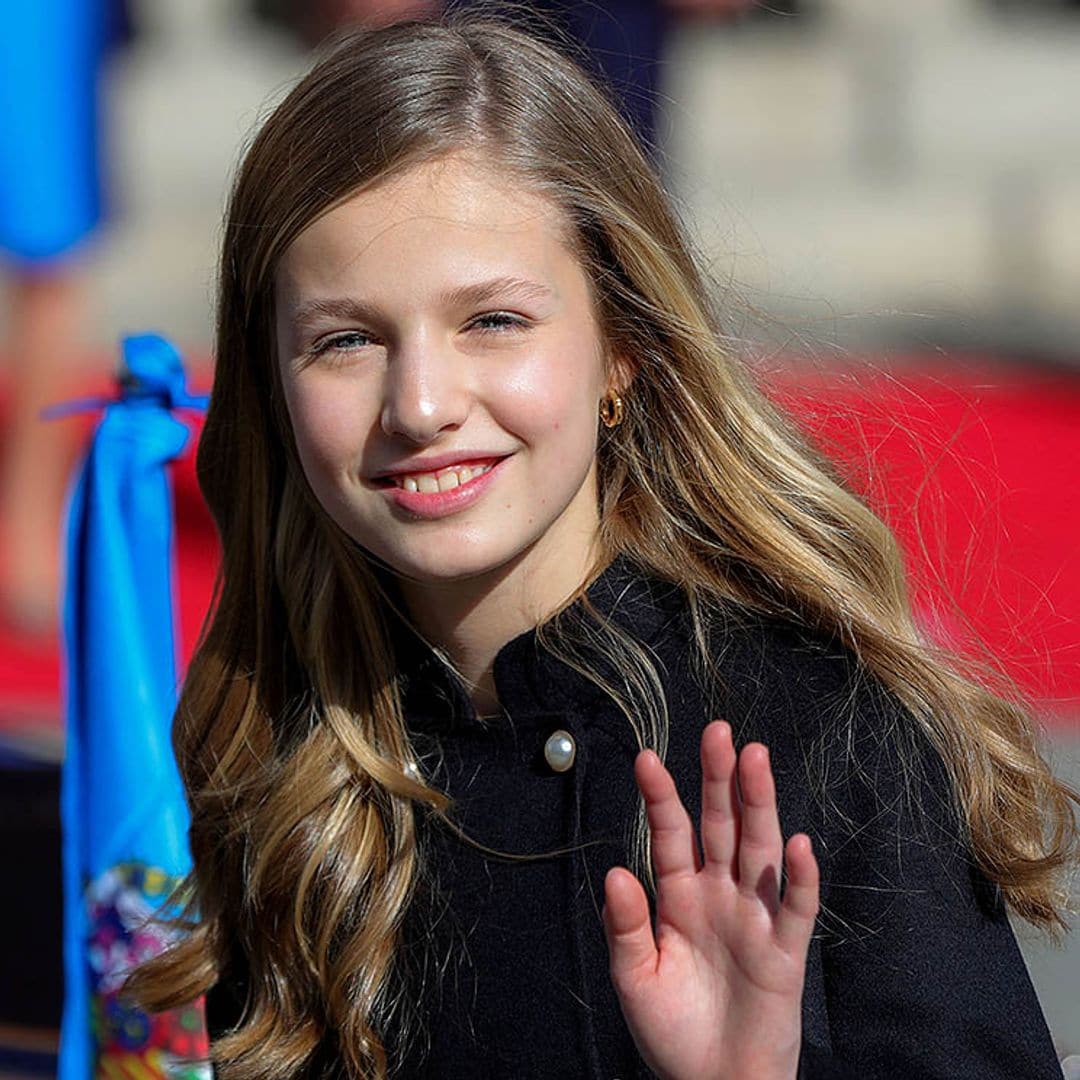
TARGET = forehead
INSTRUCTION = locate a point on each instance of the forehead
(446, 217)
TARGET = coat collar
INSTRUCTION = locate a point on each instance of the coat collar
(532, 684)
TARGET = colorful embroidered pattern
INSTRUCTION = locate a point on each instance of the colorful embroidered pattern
(131, 1045)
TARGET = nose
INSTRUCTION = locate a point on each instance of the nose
(424, 392)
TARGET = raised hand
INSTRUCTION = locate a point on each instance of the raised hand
(716, 993)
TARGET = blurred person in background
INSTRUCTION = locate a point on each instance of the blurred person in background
(51, 205)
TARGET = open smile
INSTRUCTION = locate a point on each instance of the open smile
(435, 495)
(442, 480)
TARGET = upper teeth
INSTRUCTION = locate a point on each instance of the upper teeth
(440, 481)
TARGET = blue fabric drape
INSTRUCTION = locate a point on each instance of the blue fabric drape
(122, 802)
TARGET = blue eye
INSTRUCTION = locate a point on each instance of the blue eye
(498, 321)
(350, 339)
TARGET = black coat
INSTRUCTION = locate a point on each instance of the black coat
(913, 970)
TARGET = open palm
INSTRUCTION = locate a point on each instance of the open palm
(716, 993)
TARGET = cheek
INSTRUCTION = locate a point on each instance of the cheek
(327, 425)
(554, 397)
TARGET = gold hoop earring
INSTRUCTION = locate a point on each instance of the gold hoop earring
(611, 410)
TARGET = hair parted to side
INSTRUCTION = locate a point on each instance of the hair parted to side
(289, 733)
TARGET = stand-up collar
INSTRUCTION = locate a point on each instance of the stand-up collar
(530, 682)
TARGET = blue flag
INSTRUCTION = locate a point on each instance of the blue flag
(123, 811)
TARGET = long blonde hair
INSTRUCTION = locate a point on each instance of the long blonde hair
(290, 735)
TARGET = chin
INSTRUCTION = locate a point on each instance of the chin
(445, 566)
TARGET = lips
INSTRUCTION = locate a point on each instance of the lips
(443, 480)
(442, 503)
(395, 479)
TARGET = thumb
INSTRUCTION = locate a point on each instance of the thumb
(627, 927)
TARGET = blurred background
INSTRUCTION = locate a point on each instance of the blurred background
(887, 197)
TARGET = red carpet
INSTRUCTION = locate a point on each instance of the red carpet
(976, 469)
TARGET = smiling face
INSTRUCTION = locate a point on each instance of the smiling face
(440, 318)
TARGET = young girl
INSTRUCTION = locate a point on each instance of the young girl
(524, 586)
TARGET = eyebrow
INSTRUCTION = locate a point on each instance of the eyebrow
(463, 296)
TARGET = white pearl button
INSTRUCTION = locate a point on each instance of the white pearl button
(559, 750)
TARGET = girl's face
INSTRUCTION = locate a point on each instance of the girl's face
(435, 323)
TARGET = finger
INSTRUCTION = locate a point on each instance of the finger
(674, 846)
(761, 846)
(631, 947)
(719, 800)
(795, 921)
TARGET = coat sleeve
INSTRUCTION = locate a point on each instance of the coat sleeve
(923, 976)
